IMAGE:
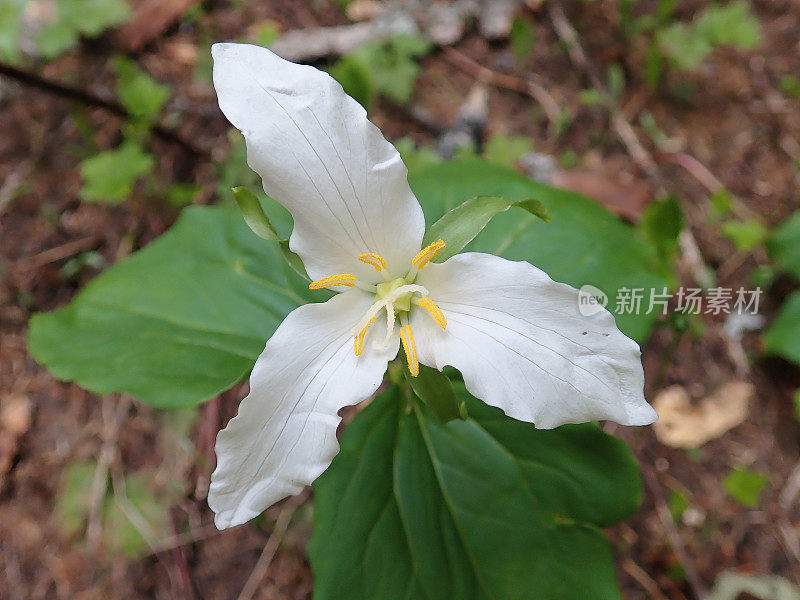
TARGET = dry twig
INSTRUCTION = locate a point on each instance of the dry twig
(54, 254)
(84, 97)
(664, 515)
(272, 545)
(643, 579)
(112, 421)
(507, 82)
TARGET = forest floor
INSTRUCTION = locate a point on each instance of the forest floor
(736, 125)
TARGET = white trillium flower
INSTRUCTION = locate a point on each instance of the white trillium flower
(515, 335)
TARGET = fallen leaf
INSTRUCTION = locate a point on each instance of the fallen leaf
(15, 420)
(730, 586)
(628, 200)
(682, 424)
(150, 19)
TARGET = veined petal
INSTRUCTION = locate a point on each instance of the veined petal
(320, 157)
(522, 345)
(284, 435)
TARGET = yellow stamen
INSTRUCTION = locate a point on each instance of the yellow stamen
(424, 256)
(332, 280)
(371, 258)
(434, 310)
(359, 341)
(410, 349)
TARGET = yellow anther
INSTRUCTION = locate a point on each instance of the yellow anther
(371, 258)
(410, 349)
(332, 280)
(424, 256)
(359, 341)
(434, 310)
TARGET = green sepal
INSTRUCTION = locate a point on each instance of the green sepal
(259, 223)
(435, 389)
(254, 214)
(459, 226)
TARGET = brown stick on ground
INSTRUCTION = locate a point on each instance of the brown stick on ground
(271, 548)
(621, 126)
(508, 82)
(651, 481)
(84, 97)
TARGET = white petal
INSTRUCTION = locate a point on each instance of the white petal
(320, 157)
(521, 344)
(285, 433)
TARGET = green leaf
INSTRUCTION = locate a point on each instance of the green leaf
(355, 75)
(684, 46)
(505, 150)
(584, 244)
(745, 235)
(661, 224)
(435, 389)
(11, 29)
(110, 175)
(782, 337)
(254, 214)
(459, 226)
(784, 245)
(487, 507)
(523, 38)
(141, 95)
(127, 521)
(75, 498)
(745, 486)
(178, 322)
(79, 17)
(796, 404)
(55, 38)
(415, 157)
(789, 85)
(387, 67)
(266, 34)
(678, 505)
(92, 17)
(135, 518)
(730, 25)
(259, 223)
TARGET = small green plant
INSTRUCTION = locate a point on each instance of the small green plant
(685, 45)
(110, 176)
(790, 86)
(10, 30)
(745, 486)
(507, 150)
(75, 18)
(522, 37)
(384, 68)
(745, 235)
(782, 337)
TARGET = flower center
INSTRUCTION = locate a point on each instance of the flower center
(386, 289)
(397, 297)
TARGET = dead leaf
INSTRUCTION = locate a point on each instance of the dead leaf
(628, 200)
(15, 420)
(682, 424)
(150, 19)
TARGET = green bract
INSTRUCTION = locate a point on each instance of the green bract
(483, 508)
